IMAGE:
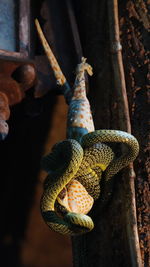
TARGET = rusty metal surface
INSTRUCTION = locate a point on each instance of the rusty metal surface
(16, 76)
(4, 107)
(17, 72)
(4, 115)
(8, 85)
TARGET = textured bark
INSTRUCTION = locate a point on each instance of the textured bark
(135, 28)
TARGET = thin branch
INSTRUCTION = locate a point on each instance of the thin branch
(74, 29)
(76, 36)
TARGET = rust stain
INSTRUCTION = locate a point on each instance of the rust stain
(4, 107)
(16, 76)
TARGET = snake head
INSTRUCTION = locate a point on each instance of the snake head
(76, 133)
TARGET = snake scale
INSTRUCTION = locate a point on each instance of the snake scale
(76, 165)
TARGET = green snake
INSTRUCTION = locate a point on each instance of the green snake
(69, 160)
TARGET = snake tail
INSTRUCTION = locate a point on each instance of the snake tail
(62, 164)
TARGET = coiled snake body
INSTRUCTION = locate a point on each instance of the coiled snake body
(68, 161)
(75, 166)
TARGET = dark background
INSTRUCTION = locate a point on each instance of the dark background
(39, 121)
